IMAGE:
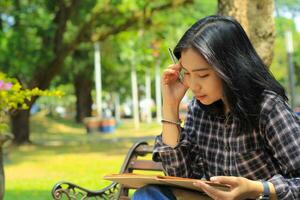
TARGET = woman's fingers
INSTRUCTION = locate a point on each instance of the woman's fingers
(176, 66)
(229, 180)
(210, 191)
(170, 75)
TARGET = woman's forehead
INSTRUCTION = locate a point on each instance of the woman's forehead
(191, 60)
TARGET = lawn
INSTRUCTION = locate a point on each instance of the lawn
(62, 150)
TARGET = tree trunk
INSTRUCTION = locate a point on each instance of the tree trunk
(3, 138)
(20, 126)
(256, 17)
(83, 88)
(1, 25)
(2, 178)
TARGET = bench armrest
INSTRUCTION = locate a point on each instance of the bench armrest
(71, 191)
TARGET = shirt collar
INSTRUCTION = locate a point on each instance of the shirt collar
(215, 109)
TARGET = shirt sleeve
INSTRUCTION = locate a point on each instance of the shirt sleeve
(176, 161)
(282, 133)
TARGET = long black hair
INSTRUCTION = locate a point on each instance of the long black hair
(224, 44)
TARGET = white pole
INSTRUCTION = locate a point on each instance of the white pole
(291, 67)
(98, 79)
(289, 42)
(135, 101)
(148, 95)
(158, 92)
(117, 107)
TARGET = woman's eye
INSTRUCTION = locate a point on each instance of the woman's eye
(203, 76)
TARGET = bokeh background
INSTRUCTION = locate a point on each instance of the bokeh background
(106, 58)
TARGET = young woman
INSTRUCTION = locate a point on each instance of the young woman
(239, 129)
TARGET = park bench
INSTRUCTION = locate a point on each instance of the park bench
(135, 160)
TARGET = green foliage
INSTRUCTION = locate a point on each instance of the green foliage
(25, 26)
(286, 12)
(135, 48)
(68, 101)
(13, 97)
(279, 65)
(28, 38)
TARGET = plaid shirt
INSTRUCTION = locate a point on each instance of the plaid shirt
(211, 145)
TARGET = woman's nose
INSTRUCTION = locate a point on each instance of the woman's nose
(193, 85)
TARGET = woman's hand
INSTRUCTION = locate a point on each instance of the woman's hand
(172, 89)
(240, 188)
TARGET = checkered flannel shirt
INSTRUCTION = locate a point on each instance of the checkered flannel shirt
(211, 145)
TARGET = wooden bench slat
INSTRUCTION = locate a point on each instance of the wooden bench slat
(145, 165)
(124, 198)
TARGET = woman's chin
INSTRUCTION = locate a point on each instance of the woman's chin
(204, 102)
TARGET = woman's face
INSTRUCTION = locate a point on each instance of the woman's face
(200, 77)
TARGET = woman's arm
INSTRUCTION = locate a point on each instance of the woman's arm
(281, 129)
(177, 160)
(171, 132)
(172, 92)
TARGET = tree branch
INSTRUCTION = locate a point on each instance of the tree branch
(133, 20)
(62, 16)
(43, 78)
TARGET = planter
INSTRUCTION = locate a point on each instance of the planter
(96, 125)
(92, 124)
(3, 138)
(108, 125)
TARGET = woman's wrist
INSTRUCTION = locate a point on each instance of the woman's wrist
(257, 189)
(171, 132)
(171, 112)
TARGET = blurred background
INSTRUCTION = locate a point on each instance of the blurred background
(106, 57)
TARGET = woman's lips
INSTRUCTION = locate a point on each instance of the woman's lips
(201, 97)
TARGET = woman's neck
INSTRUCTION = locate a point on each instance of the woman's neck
(225, 108)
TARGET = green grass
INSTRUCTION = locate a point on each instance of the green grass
(62, 150)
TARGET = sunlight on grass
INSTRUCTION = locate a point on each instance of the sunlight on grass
(62, 150)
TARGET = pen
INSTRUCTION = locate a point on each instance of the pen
(181, 73)
(172, 55)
